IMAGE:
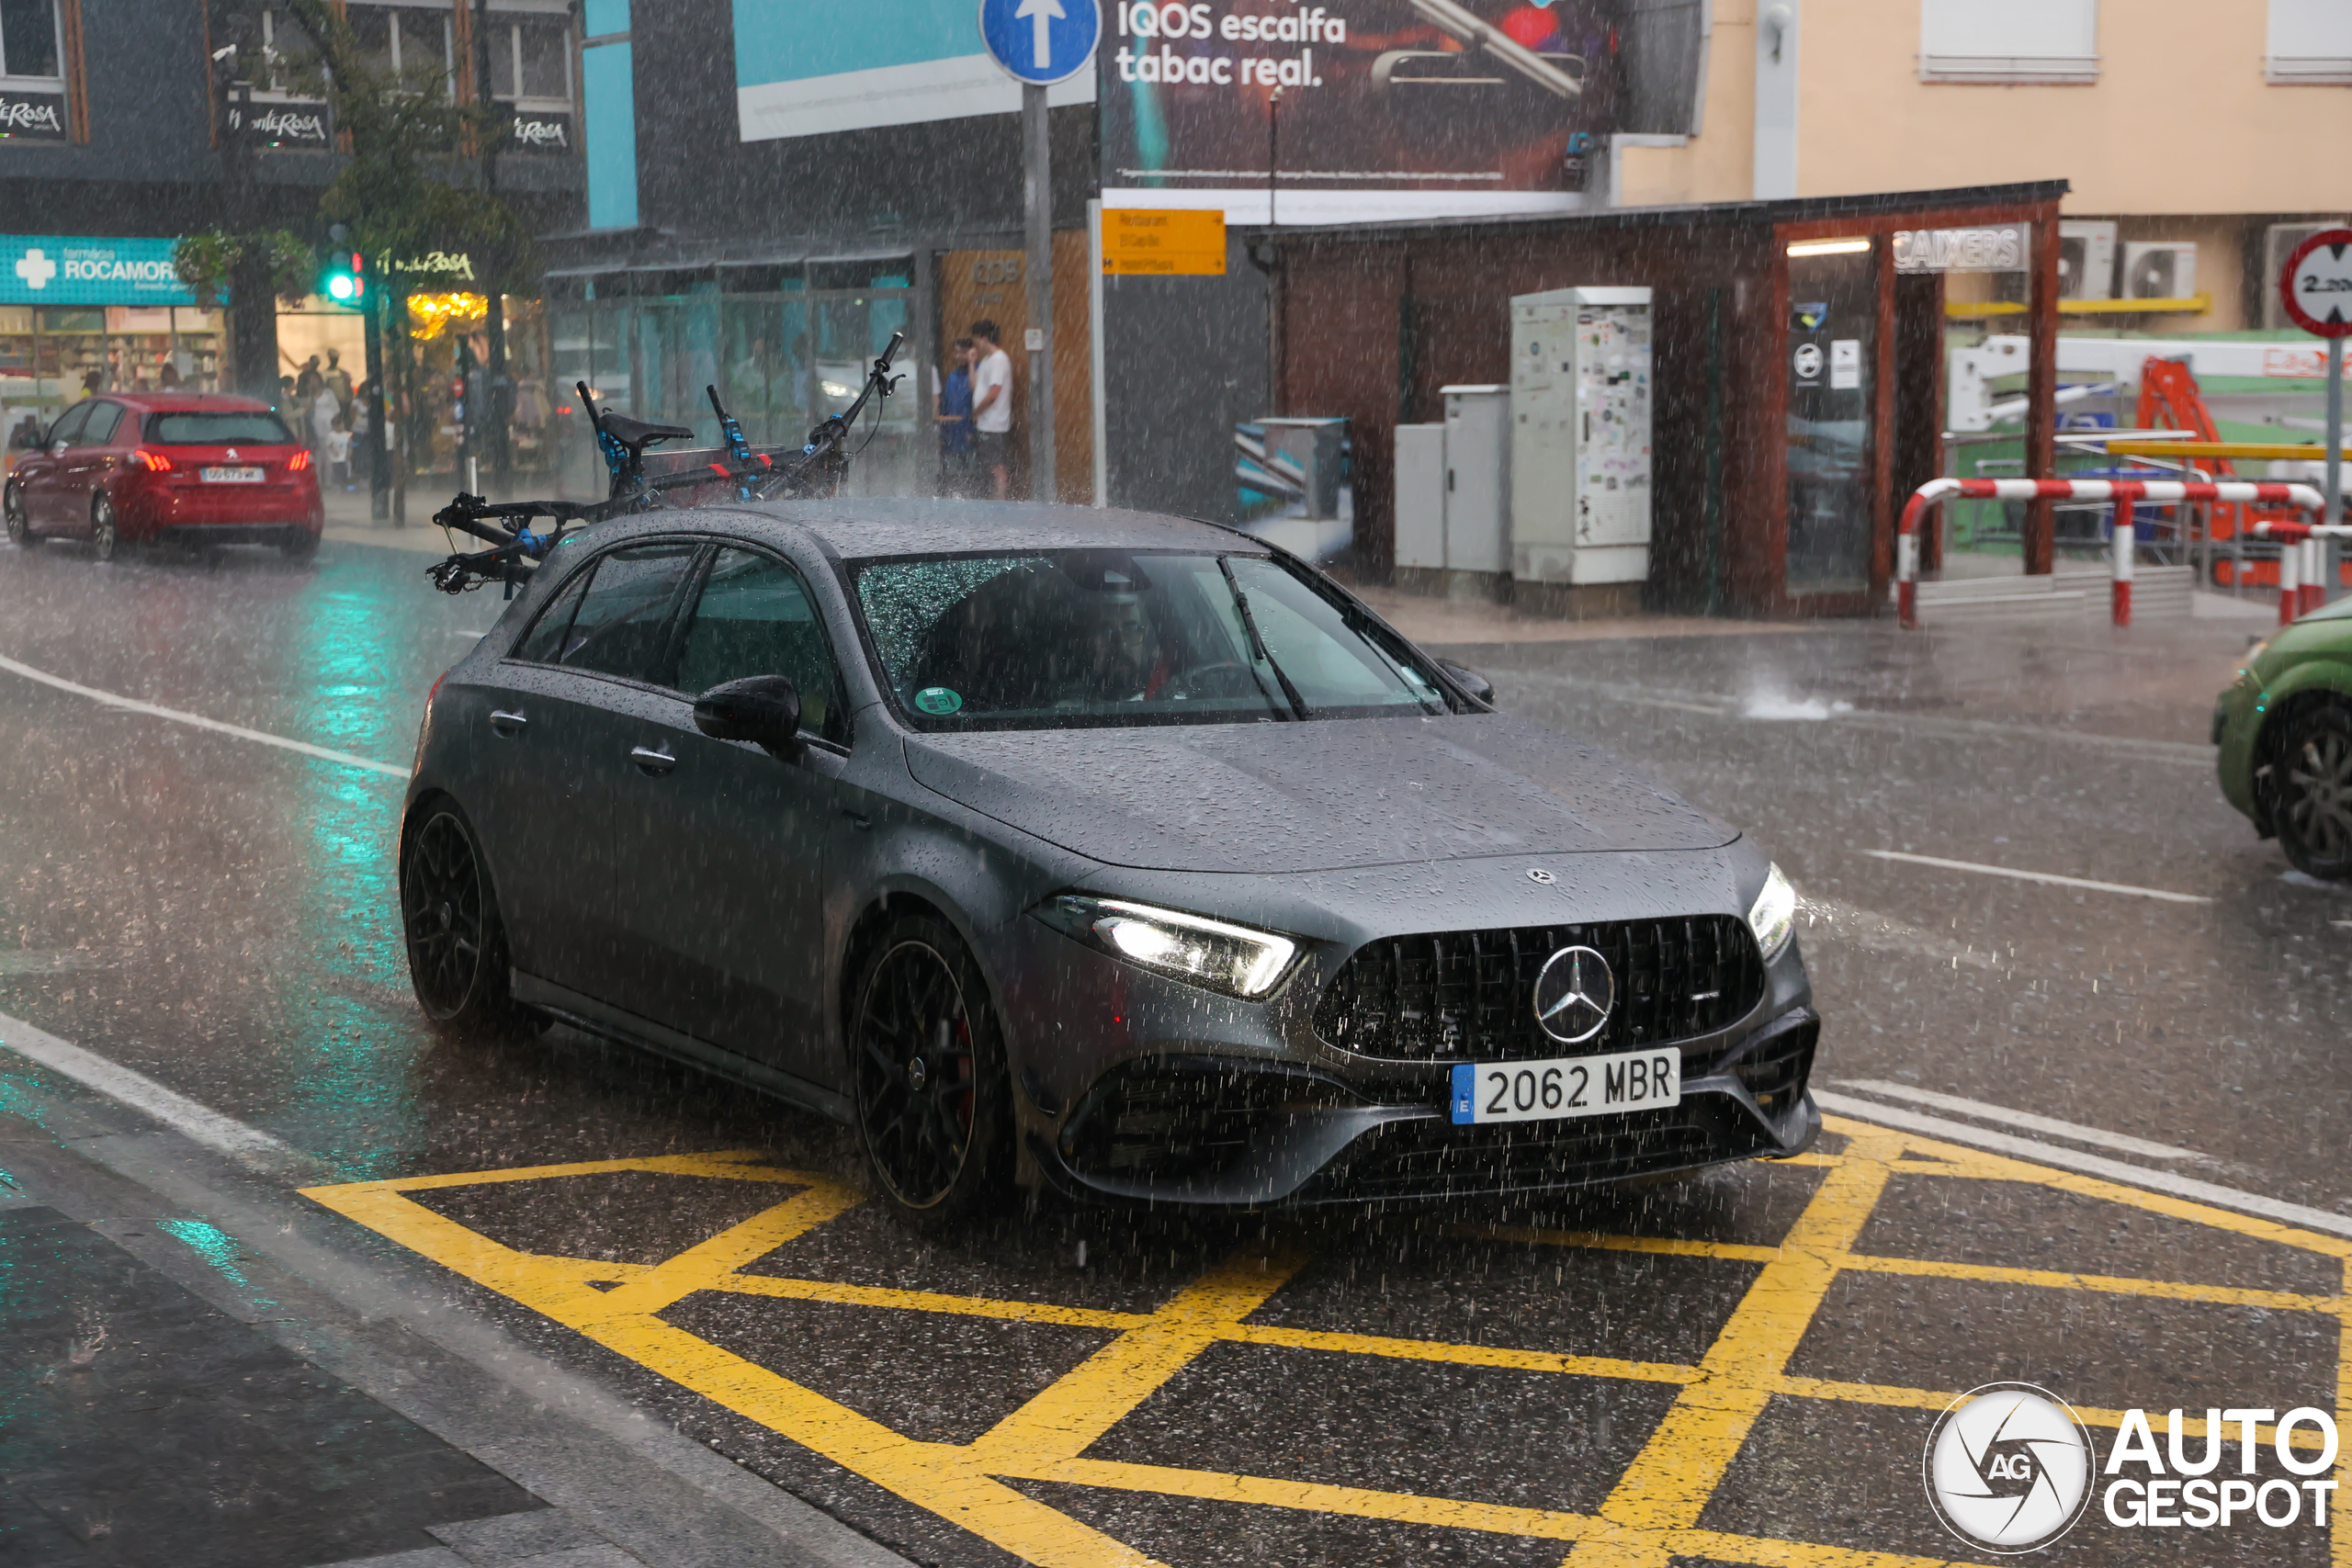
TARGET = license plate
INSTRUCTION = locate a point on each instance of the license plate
(229, 476)
(1569, 1086)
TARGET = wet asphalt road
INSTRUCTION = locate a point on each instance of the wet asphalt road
(219, 915)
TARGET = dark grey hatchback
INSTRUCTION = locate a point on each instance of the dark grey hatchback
(1108, 852)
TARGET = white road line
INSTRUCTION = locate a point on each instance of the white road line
(2122, 1143)
(2089, 1165)
(2050, 877)
(132, 704)
(224, 1135)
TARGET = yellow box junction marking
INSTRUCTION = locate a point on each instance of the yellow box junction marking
(1650, 1517)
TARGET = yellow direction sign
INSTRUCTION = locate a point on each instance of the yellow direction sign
(1175, 243)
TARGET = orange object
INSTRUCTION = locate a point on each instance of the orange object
(2171, 400)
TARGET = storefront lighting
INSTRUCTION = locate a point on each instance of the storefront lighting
(431, 314)
(1830, 247)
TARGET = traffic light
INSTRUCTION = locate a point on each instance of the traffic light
(345, 281)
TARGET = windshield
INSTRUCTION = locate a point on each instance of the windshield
(1081, 639)
(224, 427)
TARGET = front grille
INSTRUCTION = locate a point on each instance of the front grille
(1169, 1120)
(1468, 996)
(1434, 1158)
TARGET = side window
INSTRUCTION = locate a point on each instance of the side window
(544, 643)
(99, 431)
(755, 618)
(68, 427)
(618, 619)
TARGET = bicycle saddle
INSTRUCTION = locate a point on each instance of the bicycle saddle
(637, 434)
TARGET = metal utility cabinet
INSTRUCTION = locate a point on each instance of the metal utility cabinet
(1580, 400)
(1477, 484)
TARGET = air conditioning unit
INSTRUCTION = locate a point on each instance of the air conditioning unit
(2279, 242)
(2086, 259)
(2159, 269)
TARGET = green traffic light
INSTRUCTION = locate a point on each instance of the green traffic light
(342, 287)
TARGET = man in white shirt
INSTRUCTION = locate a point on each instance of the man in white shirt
(992, 407)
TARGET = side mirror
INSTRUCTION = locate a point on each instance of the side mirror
(763, 709)
(1469, 679)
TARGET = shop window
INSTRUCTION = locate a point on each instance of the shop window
(40, 49)
(2050, 41)
(530, 59)
(29, 54)
(2310, 43)
(289, 60)
(413, 43)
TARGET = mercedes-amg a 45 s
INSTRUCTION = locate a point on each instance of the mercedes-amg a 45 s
(1114, 852)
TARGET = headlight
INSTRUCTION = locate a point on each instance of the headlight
(834, 389)
(1774, 915)
(1232, 959)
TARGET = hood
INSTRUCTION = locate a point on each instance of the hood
(1322, 796)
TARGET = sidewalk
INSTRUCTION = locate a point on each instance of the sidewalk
(201, 1369)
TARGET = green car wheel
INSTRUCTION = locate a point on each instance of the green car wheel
(2314, 785)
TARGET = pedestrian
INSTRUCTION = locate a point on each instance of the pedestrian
(955, 418)
(307, 385)
(326, 414)
(992, 407)
(338, 381)
(168, 381)
(339, 454)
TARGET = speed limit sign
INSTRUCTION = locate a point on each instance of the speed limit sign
(2316, 288)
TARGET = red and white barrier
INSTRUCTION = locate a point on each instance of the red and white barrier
(2302, 564)
(2124, 493)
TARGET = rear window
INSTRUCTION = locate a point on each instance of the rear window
(223, 427)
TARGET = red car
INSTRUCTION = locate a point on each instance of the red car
(126, 467)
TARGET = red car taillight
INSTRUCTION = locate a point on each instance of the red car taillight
(154, 462)
(298, 462)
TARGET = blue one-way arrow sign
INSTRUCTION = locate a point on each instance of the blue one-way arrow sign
(1041, 41)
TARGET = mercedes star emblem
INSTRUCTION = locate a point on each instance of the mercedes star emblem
(1538, 874)
(1574, 992)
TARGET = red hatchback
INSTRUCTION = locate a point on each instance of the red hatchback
(125, 467)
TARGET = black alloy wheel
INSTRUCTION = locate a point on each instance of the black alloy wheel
(18, 521)
(930, 1073)
(106, 534)
(2315, 784)
(456, 949)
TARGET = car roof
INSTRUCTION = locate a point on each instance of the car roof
(188, 402)
(864, 527)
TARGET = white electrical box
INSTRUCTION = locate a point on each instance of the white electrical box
(2087, 258)
(1477, 479)
(1420, 497)
(1581, 382)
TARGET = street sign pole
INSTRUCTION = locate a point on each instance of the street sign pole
(1037, 271)
(1038, 43)
(2316, 288)
(2332, 489)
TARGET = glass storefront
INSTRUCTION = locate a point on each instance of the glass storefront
(49, 354)
(782, 354)
(1832, 346)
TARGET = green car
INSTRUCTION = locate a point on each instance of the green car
(2285, 730)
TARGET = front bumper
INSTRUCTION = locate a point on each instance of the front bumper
(1137, 1089)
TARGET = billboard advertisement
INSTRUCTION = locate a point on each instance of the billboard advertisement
(898, 62)
(77, 269)
(1353, 109)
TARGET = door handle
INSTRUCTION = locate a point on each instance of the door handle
(508, 724)
(859, 818)
(650, 762)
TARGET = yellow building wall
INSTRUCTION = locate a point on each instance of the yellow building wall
(2179, 120)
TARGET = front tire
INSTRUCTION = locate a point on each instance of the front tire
(18, 521)
(2314, 812)
(928, 1061)
(106, 529)
(457, 945)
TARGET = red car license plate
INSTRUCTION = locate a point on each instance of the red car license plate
(229, 476)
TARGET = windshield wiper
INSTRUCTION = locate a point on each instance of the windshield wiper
(1257, 643)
